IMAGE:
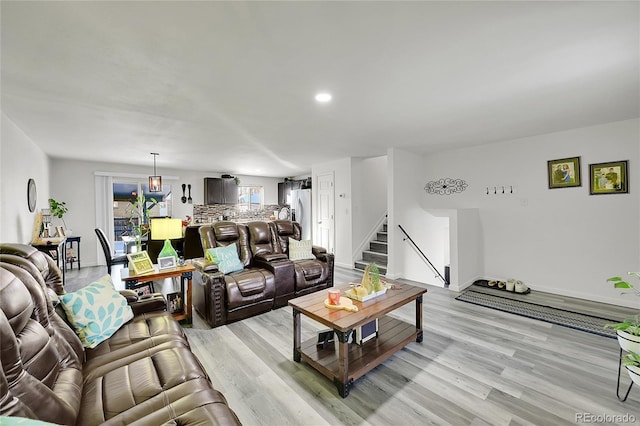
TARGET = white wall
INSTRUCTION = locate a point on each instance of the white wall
(73, 182)
(404, 193)
(369, 199)
(466, 249)
(563, 241)
(20, 159)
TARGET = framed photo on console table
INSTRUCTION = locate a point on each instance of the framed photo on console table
(140, 263)
(564, 173)
(174, 302)
(166, 262)
(608, 178)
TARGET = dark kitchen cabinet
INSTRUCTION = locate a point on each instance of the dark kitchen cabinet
(220, 191)
(284, 188)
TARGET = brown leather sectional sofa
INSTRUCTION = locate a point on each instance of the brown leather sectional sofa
(144, 374)
(269, 278)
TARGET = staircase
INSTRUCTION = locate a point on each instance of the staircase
(377, 252)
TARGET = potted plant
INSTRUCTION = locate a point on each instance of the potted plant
(139, 218)
(618, 282)
(58, 209)
(628, 331)
(632, 362)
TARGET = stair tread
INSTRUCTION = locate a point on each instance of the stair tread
(365, 263)
(361, 265)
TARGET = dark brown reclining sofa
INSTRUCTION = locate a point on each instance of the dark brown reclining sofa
(269, 278)
(144, 374)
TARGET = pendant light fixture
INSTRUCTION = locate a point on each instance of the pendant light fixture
(155, 181)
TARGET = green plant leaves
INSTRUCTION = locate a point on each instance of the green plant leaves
(632, 359)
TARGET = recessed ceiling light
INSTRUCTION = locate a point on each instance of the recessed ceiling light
(323, 97)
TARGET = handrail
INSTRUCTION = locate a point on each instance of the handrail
(446, 283)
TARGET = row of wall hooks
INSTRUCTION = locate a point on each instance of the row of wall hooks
(500, 190)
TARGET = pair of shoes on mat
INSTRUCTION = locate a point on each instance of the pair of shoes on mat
(517, 286)
(500, 285)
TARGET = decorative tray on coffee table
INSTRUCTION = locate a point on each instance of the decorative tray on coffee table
(351, 293)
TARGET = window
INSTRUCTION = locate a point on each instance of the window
(250, 198)
(131, 217)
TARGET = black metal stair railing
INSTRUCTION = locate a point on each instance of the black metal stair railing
(438, 275)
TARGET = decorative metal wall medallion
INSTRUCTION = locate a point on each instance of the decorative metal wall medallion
(445, 186)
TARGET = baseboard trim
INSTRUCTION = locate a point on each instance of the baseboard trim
(344, 265)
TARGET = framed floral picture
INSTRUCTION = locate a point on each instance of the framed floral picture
(608, 178)
(564, 173)
(140, 263)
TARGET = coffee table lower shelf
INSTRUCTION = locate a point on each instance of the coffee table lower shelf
(393, 335)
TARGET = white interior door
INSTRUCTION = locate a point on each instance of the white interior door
(325, 226)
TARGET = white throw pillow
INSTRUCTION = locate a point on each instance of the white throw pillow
(299, 250)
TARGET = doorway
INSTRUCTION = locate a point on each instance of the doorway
(325, 227)
(133, 208)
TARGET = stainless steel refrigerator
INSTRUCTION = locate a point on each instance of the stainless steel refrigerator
(301, 210)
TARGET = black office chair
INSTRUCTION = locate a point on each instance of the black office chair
(108, 253)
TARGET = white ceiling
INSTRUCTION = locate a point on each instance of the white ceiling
(229, 86)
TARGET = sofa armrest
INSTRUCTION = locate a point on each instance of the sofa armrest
(270, 257)
(284, 273)
(204, 265)
(321, 254)
(209, 297)
(149, 303)
(317, 250)
(145, 303)
(329, 258)
(130, 295)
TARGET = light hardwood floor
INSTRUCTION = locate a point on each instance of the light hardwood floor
(476, 366)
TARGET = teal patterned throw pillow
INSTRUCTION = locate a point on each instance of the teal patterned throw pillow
(96, 311)
(226, 258)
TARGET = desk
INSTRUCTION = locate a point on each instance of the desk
(185, 273)
(60, 254)
(69, 246)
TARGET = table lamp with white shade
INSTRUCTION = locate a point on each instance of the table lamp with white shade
(166, 229)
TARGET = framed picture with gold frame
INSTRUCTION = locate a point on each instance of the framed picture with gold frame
(608, 178)
(140, 263)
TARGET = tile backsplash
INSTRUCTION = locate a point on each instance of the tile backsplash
(207, 213)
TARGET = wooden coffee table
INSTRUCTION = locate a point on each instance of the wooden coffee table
(344, 362)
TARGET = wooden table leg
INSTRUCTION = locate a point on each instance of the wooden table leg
(296, 335)
(188, 309)
(419, 319)
(63, 255)
(342, 381)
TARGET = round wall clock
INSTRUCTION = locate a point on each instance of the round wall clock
(32, 195)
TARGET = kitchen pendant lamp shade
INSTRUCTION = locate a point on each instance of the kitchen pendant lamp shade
(155, 181)
(166, 229)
